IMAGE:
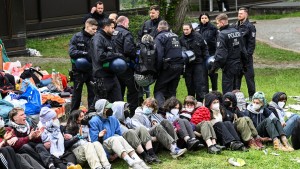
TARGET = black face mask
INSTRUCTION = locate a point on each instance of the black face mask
(109, 112)
(227, 103)
(126, 113)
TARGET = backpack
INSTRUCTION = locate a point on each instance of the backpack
(146, 59)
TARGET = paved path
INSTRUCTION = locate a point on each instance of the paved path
(282, 33)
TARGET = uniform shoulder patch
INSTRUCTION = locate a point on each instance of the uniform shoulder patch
(115, 33)
(253, 34)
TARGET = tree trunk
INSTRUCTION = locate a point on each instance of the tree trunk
(180, 14)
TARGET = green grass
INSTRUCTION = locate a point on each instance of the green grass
(275, 16)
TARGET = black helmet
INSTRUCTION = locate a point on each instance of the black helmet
(209, 62)
(118, 65)
(83, 64)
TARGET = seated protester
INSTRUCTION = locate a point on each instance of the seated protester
(85, 151)
(277, 107)
(160, 129)
(266, 123)
(24, 137)
(137, 136)
(11, 160)
(204, 129)
(225, 131)
(106, 129)
(55, 148)
(244, 125)
(189, 106)
(172, 107)
(241, 101)
(295, 138)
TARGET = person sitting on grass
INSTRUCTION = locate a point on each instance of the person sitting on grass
(85, 151)
(266, 122)
(137, 136)
(106, 129)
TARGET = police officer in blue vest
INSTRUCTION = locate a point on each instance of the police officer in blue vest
(231, 55)
(78, 50)
(169, 63)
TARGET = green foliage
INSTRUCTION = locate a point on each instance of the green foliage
(275, 16)
(132, 4)
(136, 22)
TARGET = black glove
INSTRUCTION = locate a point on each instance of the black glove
(245, 69)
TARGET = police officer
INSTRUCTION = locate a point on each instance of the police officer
(195, 71)
(169, 63)
(124, 43)
(248, 32)
(79, 47)
(231, 54)
(103, 52)
(97, 12)
(150, 26)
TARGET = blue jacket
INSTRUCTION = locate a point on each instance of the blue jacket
(97, 124)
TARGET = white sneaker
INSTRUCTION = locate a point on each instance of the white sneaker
(178, 152)
(135, 166)
(144, 165)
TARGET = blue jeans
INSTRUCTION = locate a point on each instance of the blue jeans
(290, 124)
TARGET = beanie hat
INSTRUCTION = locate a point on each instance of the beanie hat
(276, 96)
(209, 98)
(47, 114)
(260, 96)
(231, 96)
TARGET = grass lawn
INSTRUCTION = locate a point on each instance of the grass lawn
(268, 80)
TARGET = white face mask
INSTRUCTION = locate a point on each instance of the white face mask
(256, 106)
(281, 104)
(215, 106)
(175, 111)
(189, 109)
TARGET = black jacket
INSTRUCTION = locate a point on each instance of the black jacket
(248, 32)
(197, 44)
(124, 42)
(231, 53)
(102, 52)
(229, 112)
(209, 32)
(98, 17)
(168, 49)
(79, 47)
(149, 27)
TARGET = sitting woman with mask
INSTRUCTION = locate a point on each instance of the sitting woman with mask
(266, 123)
(277, 107)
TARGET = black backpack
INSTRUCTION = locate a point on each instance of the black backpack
(146, 59)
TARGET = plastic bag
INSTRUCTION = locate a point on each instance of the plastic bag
(33, 97)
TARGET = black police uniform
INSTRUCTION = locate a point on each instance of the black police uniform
(79, 47)
(149, 27)
(195, 71)
(98, 17)
(209, 32)
(103, 51)
(169, 65)
(124, 43)
(248, 32)
(231, 56)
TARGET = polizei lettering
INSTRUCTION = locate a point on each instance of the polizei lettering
(234, 35)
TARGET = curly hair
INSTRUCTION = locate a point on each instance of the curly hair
(152, 102)
(171, 104)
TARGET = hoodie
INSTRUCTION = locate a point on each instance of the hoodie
(258, 116)
(273, 105)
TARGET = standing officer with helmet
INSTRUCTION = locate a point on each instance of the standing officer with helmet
(104, 55)
(231, 54)
(82, 63)
(169, 63)
(124, 43)
(195, 71)
(248, 32)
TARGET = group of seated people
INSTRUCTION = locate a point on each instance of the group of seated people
(96, 139)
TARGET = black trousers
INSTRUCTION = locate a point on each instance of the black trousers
(8, 158)
(229, 79)
(107, 88)
(185, 129)
(31, 151)
(270, 128)
(167, 82)
(226, 133)
(58, 162)
(79, 80)
(195, 80)
(295, 138)
(225, 5)
(249, 76)
(126, 79)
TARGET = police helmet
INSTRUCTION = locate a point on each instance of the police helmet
(188, 56)
(118, 65)
(82, 64)
(144, 80)
(209, 62)
(195, 25)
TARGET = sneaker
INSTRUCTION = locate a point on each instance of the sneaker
(178, 152)
(259, 143)
(252, 144)
(236, 145)
(143, 165)
(148, 159)
(135, 166)
(192, 144)
(155, 159)
(213, 150)
(220, 147)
